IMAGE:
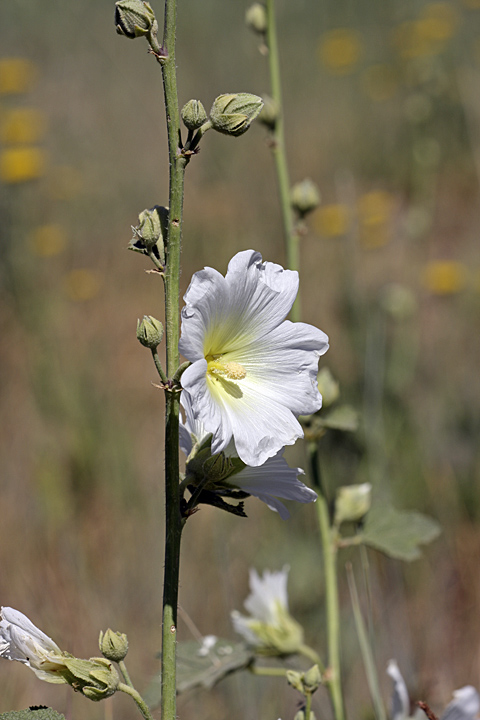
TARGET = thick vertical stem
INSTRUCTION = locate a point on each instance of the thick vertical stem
(279, 154)
(173, 522)
(329, 547)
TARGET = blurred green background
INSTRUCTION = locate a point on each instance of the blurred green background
(382, 111)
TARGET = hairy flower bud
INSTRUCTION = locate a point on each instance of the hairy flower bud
(233, 113)
(151, 232)
(305, 197)
(270, 113)
(256, 18)
(149, 332)
(96, 678)
(113, 645)
(135, 18)
(312, 679)
(353, 502)
(193, 115)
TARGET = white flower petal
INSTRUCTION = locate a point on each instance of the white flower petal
(252, 372)
(400, 702)
(273, 480)
(22, 636)
(241, 625)
(267, 592)
(20, 640)
(464, 706)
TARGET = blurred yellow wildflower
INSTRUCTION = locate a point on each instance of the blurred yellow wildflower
(444, 277)
(48, 240)
(16, 75)
(340, 50)
(65, 182)
(22, 126)
(82, 284)
(429, 34)
(379, 82)
(375, 214)
(22, 163)
(332, 220)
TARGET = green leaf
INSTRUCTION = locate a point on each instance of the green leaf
(199, 667)
(398, 533)
(34, 713)
(343, 418)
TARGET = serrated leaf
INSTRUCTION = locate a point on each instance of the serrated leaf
(398, 533)
(343, 418)
(201, 667)
(40, 714)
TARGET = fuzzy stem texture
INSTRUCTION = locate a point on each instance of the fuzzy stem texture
(173, 522)
(141, 704)
(279, 154)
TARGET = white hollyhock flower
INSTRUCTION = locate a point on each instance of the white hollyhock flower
(268, 482)
(270, 628)
(253, 372)
(464, 706)
(21, 640)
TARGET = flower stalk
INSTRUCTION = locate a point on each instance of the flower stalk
(173, 520)
(279, 154)
(141, 704)
(330, 548)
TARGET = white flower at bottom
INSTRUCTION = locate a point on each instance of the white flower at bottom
(21, 640)
(253, 372)
(268, 482)
(270, 627)
(464, 706)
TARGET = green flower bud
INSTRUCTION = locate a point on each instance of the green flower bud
(233, 113)
(312, 679)
(352, 503)
(270, 113)
(149, 332)
(150, 233)
(135, 18)
(193, 115)
(256, 18)
(328, 387)
(301, 715)
(295, 679)
(113, 645)
(95, 678)
(305, 197)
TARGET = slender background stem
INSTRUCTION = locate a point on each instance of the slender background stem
(329, 548)
(279, 154)
(173, 523)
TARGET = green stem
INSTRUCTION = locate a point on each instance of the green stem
(329, 546)
(173, 523)
(142, 705)
(310, 653)
(159, 367)
(124, 671)
(279, 154)
(268, 671)
(308, 705)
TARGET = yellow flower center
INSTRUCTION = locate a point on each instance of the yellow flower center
(218, 368)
